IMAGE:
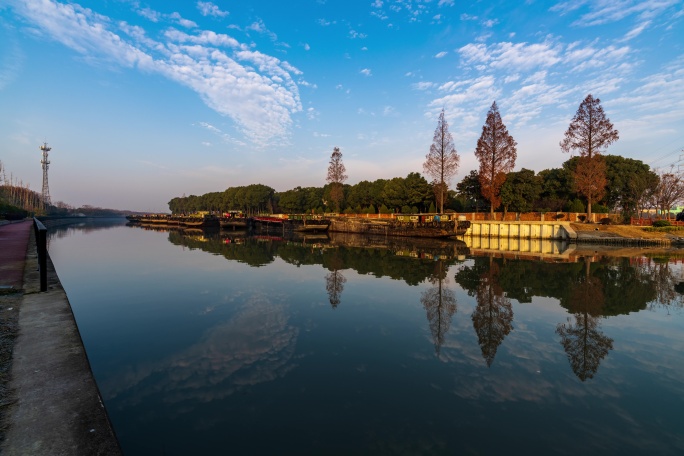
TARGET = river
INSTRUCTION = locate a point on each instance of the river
(218, 343)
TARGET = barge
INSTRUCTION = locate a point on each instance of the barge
(404, 226)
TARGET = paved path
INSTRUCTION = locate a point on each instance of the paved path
(13, 244)
(55, 406)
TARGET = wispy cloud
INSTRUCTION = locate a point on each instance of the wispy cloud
(366, 72)
(209, 9)
(255, 90)
(439, 55)
(607, 11)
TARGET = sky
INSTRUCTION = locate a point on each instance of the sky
(143, 101)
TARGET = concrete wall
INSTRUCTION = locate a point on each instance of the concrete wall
(526, 230)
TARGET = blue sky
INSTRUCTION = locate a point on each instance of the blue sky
(142, 101)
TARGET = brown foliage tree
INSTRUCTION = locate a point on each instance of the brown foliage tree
(590, 178)
(589, 133)
(497, 153)
(336, 177)
(441, 163)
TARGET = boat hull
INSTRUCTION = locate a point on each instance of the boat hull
(444, 229)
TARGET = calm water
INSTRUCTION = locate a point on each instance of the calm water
(217, 344)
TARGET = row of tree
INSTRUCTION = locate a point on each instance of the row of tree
(607, 182)
(631, 188)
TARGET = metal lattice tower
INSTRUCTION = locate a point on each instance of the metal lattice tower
(45, 162)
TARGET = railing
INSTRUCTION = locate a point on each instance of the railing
(41, 244)
(649, 222)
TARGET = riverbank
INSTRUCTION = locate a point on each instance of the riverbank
(624, 234)
(49, 402)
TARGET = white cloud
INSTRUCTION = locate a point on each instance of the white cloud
(259, 97)
(366, 72)
(307, 47)
(150, 14)
(209, 9)
(465, 100)
(439, 55)
(424, 85)
(182, 22)
(636, 31)
(446, 3)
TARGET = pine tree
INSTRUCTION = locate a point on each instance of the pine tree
(497, 153)
(589, 133)
(441, 163)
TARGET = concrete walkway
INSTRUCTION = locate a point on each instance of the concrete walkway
(54, 406)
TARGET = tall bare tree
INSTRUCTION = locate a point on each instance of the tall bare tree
(441, 163)
(669, 191)
(336, 177)
(590, 133)
(497, 153)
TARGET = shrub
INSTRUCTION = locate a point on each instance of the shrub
(576, 206)
(599, 209)
(661, 223)
(606, 221)
(405, 209)
(384, 210)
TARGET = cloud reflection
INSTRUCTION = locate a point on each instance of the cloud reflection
(255, 346)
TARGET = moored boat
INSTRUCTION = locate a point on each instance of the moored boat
(405, 226)
(200, 221)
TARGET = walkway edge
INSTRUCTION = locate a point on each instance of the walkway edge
(58, 408)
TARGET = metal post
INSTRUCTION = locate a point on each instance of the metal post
(41, 244)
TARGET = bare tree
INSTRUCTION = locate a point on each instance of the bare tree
(669, 191)
(590, 132)
(336, 177)
(497, 153)
(441, 163)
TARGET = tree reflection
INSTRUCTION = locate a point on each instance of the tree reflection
(584, 343)
(440, 304)
(334, 280)
(493, 316)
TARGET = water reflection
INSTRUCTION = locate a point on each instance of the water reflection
(439, 301)
(254, 346)
(334, 280)
(584, 342)
(493, 316)
(203, 353)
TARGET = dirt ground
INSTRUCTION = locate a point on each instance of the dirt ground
(627, 231)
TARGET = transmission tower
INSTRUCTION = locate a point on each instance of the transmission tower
(46, 163)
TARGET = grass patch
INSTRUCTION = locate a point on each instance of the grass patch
(663, 229)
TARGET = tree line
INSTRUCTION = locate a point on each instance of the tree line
(591, 180)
